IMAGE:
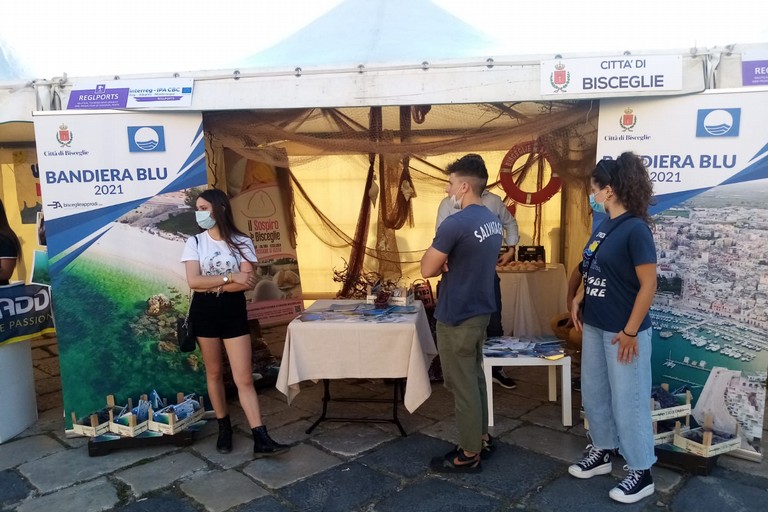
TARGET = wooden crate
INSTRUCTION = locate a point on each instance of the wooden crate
(94, 428)
(166, 421)
(668, 413)
(712, 443)
(126, 425)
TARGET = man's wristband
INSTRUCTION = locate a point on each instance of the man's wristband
(630, 335)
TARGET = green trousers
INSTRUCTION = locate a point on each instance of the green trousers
(461, 355)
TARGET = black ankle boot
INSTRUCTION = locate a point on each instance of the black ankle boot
(263, 445)
(224, 442)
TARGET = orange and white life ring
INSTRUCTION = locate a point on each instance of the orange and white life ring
(507, 178)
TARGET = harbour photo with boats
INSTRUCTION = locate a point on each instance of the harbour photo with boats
(711, 306)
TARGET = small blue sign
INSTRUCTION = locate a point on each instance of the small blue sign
(718, 122)
(145, 139)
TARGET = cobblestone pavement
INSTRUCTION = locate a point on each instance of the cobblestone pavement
(345, 466)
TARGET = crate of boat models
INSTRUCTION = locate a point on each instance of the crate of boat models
(130, 421)
(96, 423)
(172, 419)
(666, 406)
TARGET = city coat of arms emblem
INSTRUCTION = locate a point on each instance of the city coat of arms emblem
(628, 120)
(560, 77)
(64, 136)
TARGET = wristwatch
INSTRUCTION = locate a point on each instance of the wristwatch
(226, 279)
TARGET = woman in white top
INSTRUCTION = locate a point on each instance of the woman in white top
(219, 266)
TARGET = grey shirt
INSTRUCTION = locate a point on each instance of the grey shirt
(493, 203)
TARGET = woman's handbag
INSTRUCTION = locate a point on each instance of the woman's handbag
(185, 334)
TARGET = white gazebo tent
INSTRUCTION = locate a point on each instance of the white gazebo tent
(371, 54)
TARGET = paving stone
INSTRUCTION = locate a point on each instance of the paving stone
(265, 504)
(27, 449)
(160, 473)
(286, 416)
(292, 433)
(444, 429)
(559, 445)
(435, 495)
(352, 439)
(92, 496)
(745, 466)
(548, 415)
(222, 490)
(718, 493)
(165, 503)
(512, 472)
(300, 462)
(345, 487)
(411, 422)
(439, 405)
(568, 493)
(407, 457)
(242, 451)
(507, 403)
(13, 488)
(71, 466)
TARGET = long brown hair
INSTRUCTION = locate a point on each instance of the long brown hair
(221, 211)
(7, 232)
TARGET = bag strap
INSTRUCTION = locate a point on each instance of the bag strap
(599, 244)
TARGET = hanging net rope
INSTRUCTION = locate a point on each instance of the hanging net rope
(400, 146)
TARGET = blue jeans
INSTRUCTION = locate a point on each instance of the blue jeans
(617, 397)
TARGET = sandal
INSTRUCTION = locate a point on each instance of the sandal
(456, 461)
(489, 447)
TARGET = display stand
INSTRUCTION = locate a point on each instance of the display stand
(17, 389)
(107, 443)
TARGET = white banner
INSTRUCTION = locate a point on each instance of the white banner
(146, 93)
(601, 75)
(689, 143)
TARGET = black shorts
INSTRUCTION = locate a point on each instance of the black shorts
(219, 316)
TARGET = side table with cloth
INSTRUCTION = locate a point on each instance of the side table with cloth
(529, 300)
(362, 349)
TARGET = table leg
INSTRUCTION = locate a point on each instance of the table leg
(552, 385)
(398, 394)
(566, 394)
(326, 399)
(487, 369)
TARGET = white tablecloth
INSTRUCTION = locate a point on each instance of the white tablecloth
(529, 300)
(331, 349)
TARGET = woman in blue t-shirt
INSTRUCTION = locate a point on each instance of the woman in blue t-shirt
(618, 271)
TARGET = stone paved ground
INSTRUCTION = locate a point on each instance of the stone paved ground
(345, 466)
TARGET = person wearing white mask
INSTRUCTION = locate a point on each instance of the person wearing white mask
(448, 206)
(219, 265)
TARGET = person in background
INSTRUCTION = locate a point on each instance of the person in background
(511, 238)
(10, 248)
(219, 265)
(619, 275)
(464, 252)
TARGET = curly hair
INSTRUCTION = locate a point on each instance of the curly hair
(629, 180)
(221, 212)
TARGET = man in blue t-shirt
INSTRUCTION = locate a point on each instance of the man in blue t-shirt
(464, 252)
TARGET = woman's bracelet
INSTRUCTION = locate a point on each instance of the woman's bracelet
(630, 335)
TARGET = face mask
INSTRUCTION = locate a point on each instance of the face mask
(204, 219)
(456, 202)
(596, 207)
